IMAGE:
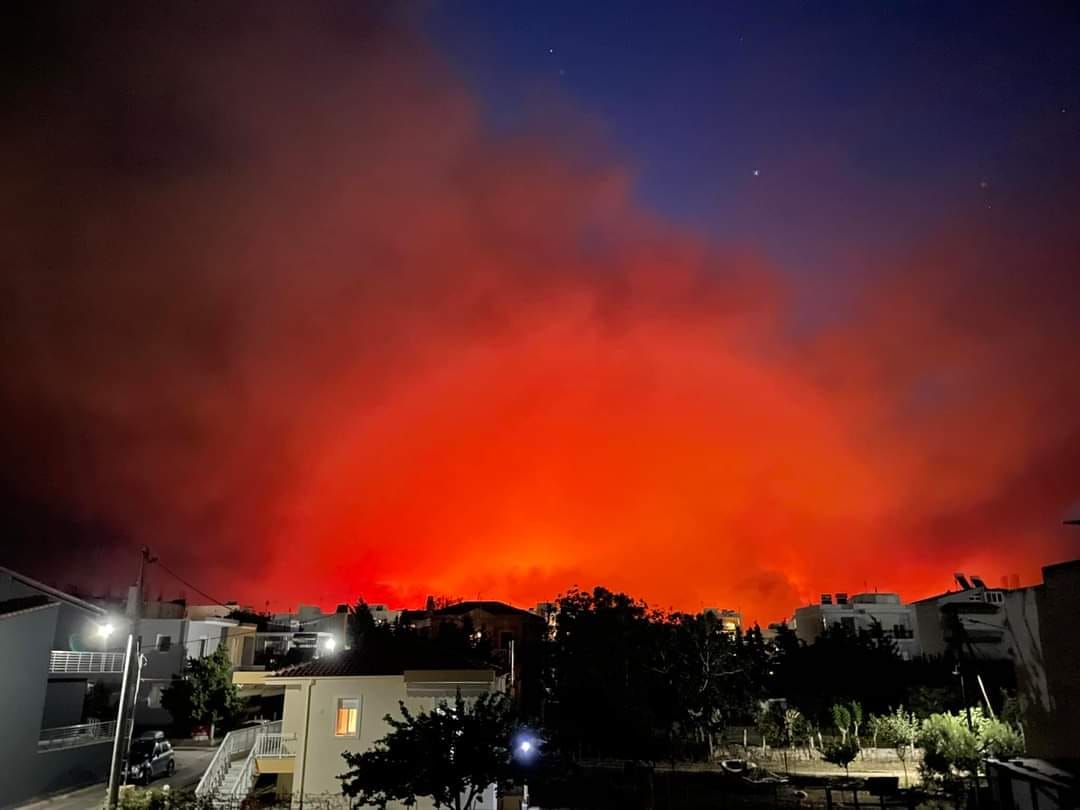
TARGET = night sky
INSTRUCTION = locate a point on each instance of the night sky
(719, 303)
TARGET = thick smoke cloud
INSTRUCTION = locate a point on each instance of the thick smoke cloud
(278, 302)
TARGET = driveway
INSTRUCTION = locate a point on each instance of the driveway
(190, 765)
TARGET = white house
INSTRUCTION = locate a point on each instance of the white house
(863, 611)
(331, 705)
(167, 644)
(971, 620)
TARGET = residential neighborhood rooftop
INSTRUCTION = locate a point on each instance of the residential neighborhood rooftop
(353, 663)
(22, 604)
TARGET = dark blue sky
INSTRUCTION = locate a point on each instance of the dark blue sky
(870, 124)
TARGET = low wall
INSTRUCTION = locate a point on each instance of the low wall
(56, 771)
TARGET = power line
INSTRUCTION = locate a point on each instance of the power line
(234, 606)
(197, 590)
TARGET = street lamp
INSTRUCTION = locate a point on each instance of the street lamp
(330, 645)
(105, 630)
(525, 748)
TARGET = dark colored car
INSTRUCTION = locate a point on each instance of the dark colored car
(151, 756)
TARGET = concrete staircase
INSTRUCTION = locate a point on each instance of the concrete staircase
(230, 774)
(228, 785)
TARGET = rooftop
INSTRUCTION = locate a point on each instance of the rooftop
(21, 604)
(56, 594)
(353, 663)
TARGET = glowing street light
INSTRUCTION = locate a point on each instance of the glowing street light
(105, 630)
(330, 645)
(525, 748)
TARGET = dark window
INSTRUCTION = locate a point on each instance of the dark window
(164, 643)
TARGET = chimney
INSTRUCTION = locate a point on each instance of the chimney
(841, 598)
(826, 599)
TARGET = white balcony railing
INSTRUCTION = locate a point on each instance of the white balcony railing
(52, 739)
(275, 746)
(85, 663)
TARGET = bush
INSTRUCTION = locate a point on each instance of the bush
(841, 753)
(953, 746)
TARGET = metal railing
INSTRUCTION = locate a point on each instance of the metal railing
(63, 661)
(269, 745)
(53, 739)
(240, 741)
(275, 746)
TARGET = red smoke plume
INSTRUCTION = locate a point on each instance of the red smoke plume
(278, 302)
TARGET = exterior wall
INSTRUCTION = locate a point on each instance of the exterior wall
(310, 714)
(159, 668)
(318, 751)
(161, 665)
(311, 619)
(929, 628)
(980, 613)
(863, 610)
(1025, 648)
(27, 638)
(64, 700)
(75, 628)
(1058, 608)
(56, 771)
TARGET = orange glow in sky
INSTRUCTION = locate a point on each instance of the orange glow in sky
(401, 353)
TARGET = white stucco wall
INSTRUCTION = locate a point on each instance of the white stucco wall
(319, 751)
(810, 620)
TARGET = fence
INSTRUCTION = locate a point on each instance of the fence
(52, 739)
(75, 663)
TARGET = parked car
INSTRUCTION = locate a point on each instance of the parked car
(151, 756)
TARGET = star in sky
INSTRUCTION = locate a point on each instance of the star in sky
(757, 172)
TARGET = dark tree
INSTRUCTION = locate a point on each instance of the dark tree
(600, 676)
(360, 625)
(205, 694)
(262, 621)
(841, 666)
(449, 755)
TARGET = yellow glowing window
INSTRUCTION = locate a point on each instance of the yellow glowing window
(348, 717)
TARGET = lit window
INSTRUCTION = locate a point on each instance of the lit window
(348, 717)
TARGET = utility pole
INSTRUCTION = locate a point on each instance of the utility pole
(129, 689)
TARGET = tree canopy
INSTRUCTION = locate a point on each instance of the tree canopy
(205, 693)
(450, 755)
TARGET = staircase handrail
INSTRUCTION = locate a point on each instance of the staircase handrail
(235, 742)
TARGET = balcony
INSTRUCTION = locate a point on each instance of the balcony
(275, 753)
(62, 662)
(55, 739)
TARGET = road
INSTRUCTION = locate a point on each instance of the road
(190, 765)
